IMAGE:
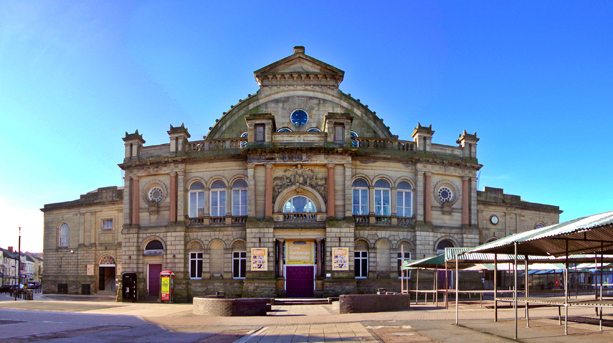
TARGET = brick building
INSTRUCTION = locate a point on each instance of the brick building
(299, 190)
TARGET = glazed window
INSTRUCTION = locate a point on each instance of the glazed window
(218, 199)
(361, 264)
(382, 198)
(63, 232)
(360, 197)
(244, 134)
(299, 204)
(299, 117)
(284, 129)
(156, 194)
(404, 200)
(355, 144)
(107, 224)
(445, 243)
(313, 129)
(239, 198)
(445, 194)
(239, 264)
(195, 265)
(196, 199)
(260, 135)
(402, 257)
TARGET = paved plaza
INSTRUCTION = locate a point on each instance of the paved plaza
(100, 319)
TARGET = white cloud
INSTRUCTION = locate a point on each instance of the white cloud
(32, 226)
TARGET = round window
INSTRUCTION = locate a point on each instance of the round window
(156, 194)
(445, 194)
(299, 117)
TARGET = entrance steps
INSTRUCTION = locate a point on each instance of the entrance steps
(303, 301)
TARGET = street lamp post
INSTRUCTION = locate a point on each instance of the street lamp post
(18, 267)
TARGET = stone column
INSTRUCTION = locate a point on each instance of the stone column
(465, 200)
(135, 200)
(127, 210)
(428, 198)
(173, 197)
(180, 196)
(268, 191)
(251, 191)
(331, 210)
(320, 256)
(280, 256)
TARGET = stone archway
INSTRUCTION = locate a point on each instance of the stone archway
(106, 274)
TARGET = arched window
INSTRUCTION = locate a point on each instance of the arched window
(284, 129)
(299, 204)
(404, 254)
(239, 260)
(313, 129)
(354, 144)
(244, 134)
(218, 199)
(239, 198)
(360, 197)
(154, 247)
(404, 200)
(360, 260)
(196, 199)
(63, 232)
(382, 198)
(445, 243)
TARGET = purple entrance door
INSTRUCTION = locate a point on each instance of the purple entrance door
(299, 282)
(154, 279)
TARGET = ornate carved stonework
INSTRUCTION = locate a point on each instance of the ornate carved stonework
(300, 176)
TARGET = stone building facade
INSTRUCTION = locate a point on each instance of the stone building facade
(298, 190)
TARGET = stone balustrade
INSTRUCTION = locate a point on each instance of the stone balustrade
(382, 143)
(217, 144)
(300, 217)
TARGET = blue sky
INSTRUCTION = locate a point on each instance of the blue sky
(533, 79)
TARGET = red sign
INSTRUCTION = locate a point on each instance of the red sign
(557, 283)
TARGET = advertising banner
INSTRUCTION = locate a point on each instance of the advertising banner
(90, 269)
(340, 258)
(300, 252)
(165, 288)
(259, 259)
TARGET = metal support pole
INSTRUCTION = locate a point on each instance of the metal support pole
(457, 287)
(436, 285)
(566, 292)
(515, 290)
(527, 289)
(495, 287)
(417, 288)
(446, 287)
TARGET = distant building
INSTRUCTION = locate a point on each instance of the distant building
(299, 190)
(8, 267)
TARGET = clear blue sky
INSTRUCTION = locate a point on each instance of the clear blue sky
(534, 79)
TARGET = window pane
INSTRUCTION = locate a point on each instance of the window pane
(222, 203)
(243, 267)
(192, 205)
(192, 273)
(199, 269)
(236, 268)
(200, 200)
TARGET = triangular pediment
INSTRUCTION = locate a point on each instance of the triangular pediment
(299, 68)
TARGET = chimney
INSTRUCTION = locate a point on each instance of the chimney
(298, 50)
(10, 249)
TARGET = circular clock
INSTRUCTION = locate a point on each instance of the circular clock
(299, 117)
(494, 219)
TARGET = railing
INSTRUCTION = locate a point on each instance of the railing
(361, 220)
(218, 221)
(382, 143)
(217, 144)
(199, 221)
(300, 217)
(239, 220)
(381, 220)
(406, 221)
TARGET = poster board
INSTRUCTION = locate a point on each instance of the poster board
(300, 252)
(259, 259)
(90, 269)
(340, 258)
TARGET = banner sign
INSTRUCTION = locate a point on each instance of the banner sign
(165, 288)
(90, 269)
(119, 269)
(340, 258)
(300, 252)
(259, 259)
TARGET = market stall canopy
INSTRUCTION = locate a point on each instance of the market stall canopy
(584, 235)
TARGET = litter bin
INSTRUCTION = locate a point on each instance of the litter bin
(29, 295)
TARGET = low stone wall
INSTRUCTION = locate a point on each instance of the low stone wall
(360, 303)
(221, 307)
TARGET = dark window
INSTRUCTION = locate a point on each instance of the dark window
(259, 133)
(361, 264)
(154, 245)
(195, 265)
(239, 264)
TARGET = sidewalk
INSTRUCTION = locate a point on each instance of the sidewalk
(302, 323)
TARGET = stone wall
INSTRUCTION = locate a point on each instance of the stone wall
(373, 303)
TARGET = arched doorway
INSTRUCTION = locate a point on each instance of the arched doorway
(106, 274)
(154, 251)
